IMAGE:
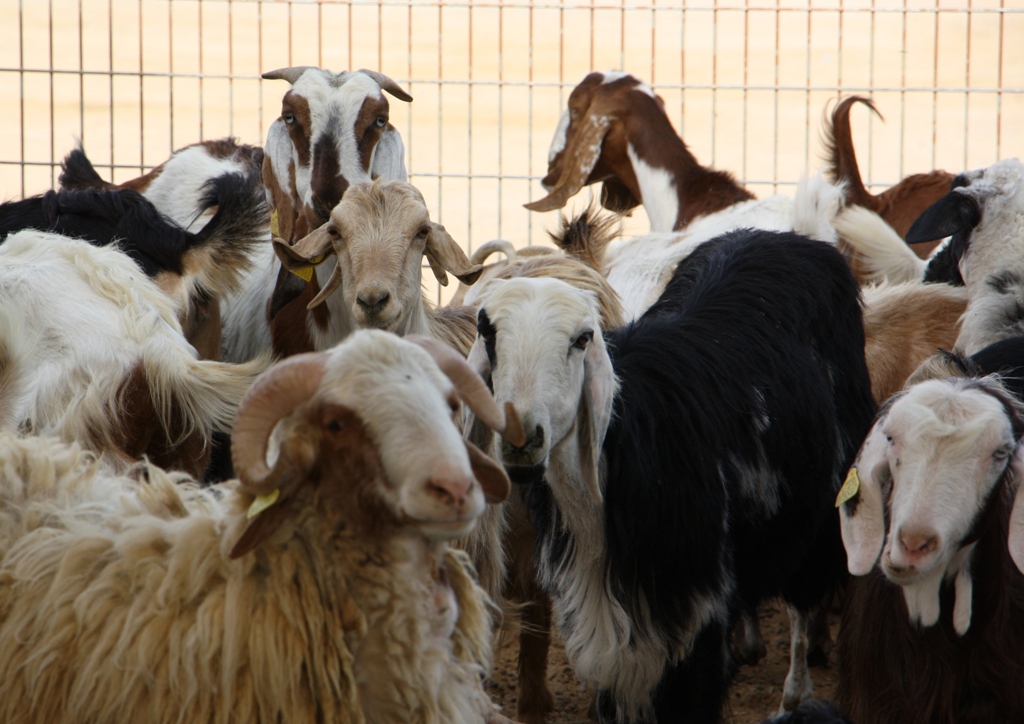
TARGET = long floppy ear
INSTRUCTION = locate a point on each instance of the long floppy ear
(862, 513)
(389, 157)
(444, 254)
(306, 252)
(616, 196)
(489, 473)
(578, 160)
(599, 385)
(1016, 536)
(952, 213)
(278, 172)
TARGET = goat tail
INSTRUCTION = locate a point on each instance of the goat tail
(493, 246)
(840, 159)
(586, 236)
(202, 395)
(77, 172)
(223, 249)
(816, 205)
(876, 248)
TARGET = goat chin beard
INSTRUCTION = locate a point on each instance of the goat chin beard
(378, 322)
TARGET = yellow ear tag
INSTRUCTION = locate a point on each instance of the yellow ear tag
(850, 488)
(275, 224)
(262, 503)
(305, 273)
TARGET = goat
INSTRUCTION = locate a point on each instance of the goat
(92, 351)
(379, 235)
(932, 628)
(193, 269)
(898, 205)
(673, 468)
(320, 588)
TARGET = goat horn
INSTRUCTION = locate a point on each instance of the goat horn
(274, 394)
(387, 84)
(580, 158)
(472, 390)
(289, 74)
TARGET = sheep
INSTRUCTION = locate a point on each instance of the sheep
(92, 350)
(193, 269)
(899, 205)
(932, 628)
(379, 235)
(316, 588)
(683, 467)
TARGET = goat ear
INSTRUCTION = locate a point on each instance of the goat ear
(259, 529)
(952, 213)
(583, 149)
(389, 157)
(307, 251)
(1016, 537)
(595, 413)
(616, 196)
(489, 473)
(278, 169)
(862, 516)
(444, 254)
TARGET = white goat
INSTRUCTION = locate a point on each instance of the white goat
(93, 351)
(318, 587)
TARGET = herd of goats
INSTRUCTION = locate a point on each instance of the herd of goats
(249, 473)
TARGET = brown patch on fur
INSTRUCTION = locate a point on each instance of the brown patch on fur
(367, 131)
(640, 121)
(326, 181)
(899, 205)
(288, 331)
(299, 131)
(904, 325)
(202, 326)
(142, 433)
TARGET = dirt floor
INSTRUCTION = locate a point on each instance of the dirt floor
(755, 695)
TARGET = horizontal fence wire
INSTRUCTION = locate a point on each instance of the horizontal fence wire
(745, 83)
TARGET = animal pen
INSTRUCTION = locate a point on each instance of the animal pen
(746, 83)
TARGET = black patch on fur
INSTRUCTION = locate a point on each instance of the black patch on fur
(77, 172)
(487, 332)
(944, 266)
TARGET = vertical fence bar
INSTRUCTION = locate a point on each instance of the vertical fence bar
(53, 144)
(142, 98)
(110, 76)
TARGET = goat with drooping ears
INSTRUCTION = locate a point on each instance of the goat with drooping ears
(648, 544)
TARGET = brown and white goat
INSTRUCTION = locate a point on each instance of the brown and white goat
(378, 237)
(933, 630)
(615, 131)
(900, 204)
(92, 351)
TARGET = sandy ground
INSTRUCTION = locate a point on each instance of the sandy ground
(755, 695)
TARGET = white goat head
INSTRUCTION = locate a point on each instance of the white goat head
(930, 469)
(333, 132)
(541, 348)
(380, 233)
(374, 404)
(591, 142)
(984, 213)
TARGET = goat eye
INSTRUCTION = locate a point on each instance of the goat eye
(572, 113)
(453, 404)
(288, 118)
(1002, 453)
(336, 425)
(381, 122)
(332, 232)
(583, 340)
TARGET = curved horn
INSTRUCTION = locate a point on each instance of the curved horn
(387, 84)
(580, 158)
(472, 390)
(273, 395)
(333, 283)
(492, 246)
(289, 74)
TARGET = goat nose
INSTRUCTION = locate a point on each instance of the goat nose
(918, 542)
(373, 300)
(450, 491)
(534, 440)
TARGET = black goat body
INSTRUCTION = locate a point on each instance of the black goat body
(126, 218)
(743, 398)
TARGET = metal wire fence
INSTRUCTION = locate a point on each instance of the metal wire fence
(745, 82)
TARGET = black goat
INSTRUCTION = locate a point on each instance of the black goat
(707, 482)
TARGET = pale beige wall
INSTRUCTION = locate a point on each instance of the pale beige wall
(745, 83)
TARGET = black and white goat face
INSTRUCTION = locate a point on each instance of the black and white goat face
(933, 462)
(540, 347)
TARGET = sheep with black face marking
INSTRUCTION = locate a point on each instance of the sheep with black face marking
(933, 629)
(685, 466)
(317, 587)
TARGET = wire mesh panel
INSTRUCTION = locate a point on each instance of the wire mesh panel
(745, 83)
